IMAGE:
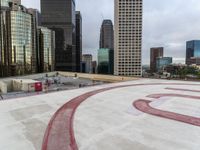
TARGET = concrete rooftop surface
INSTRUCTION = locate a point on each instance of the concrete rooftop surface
(143, 114)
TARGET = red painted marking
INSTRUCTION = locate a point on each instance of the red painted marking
(59, 134)
(186, 90)
(173, 95)
(144, 106)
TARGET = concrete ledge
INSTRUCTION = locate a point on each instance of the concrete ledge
(98, 77)
(3, 87)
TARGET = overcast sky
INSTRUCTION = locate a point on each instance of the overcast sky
(167, 23)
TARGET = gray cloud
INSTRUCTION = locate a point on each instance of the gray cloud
(166, 23)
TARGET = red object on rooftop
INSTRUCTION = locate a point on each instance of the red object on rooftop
(38, 86)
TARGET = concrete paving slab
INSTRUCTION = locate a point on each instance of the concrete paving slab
(104, 118)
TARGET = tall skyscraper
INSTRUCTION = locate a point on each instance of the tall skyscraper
(46, 53)
(107, 35)
(128, 37)
(5, 3)
(19, 42)
(192, 52)
(156, 52)
(60, 17)
(105, 53)
(78, 41)
(17, 48)
(36, 20)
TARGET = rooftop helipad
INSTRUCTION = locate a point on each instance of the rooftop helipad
(134, 115)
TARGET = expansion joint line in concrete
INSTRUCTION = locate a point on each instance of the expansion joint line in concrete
(59, 134)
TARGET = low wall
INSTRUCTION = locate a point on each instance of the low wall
(98, 77)
(3, 87)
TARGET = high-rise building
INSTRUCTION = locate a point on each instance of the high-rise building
(192, 51)
(17, 48)
(107, 35)
(60, 17)
(128, 37)
(105, 53)
(155, 53)
(105, 61)
(36, 21)
(78, 41)
(4, 60)
(162, 62)
(20, 47)
(87, 63)
(5, 3)
(1, 42)
(46, 53)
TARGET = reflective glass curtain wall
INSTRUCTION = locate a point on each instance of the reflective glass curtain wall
(78, 41)
(192, 50)
(47, 49)
(5, 48)
(21, 42)
(60, 17)
(105, 61)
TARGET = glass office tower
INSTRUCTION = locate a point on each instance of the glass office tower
(162, 62)
(46, 55)
(4, 3)
(155, 52)
(17, 46)
(60, 17)
(21, 42)
(105, 61)
(192, 51)
(78, 41)
(107, 35)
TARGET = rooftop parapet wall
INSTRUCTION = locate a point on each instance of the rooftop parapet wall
(3, 87)
(97, 77)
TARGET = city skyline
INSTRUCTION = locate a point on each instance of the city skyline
(160, 28)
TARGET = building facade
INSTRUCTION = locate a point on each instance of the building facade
(87, 63)
(192, 51)
(94, 67)
(46, 54)
(105, 61)
(128, 37)
(162, 62)
(78, 41)
(194, 61)
(36, 21)
(17, 46)
(19, 43)
(155, 53)
(107, 35)
(5, 60)
(60, 17)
